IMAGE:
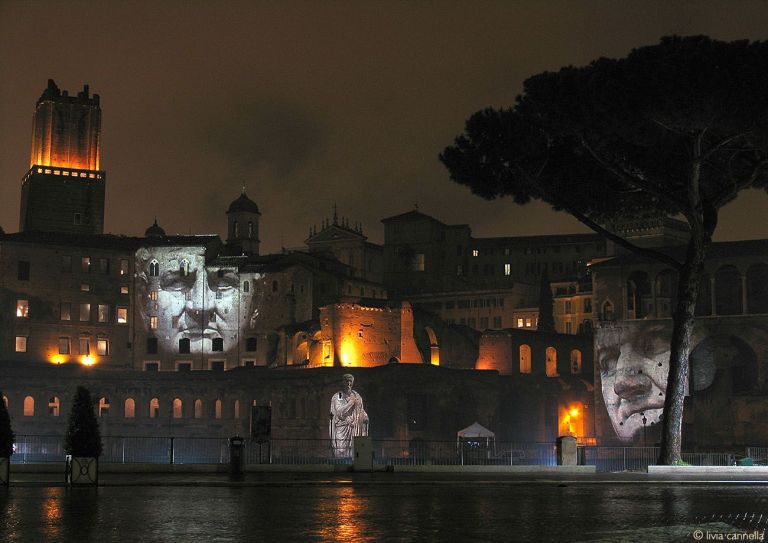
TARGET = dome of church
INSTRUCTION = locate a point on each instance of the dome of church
(243, 203)
(154, 231)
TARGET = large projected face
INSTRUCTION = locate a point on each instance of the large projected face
(181, 300)
(634, 364)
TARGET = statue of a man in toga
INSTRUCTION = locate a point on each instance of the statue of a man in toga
(347, 418)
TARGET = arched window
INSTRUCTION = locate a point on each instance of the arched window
(198, 409)
(176, 408)
(130, 409)
(217, 409)
(184, 267)
(103, 407)
(639, 302)
(250, 229)
(728, 291)
(154, 408)
(5, 401)
(551, 362)
(704, 299)
(575, 361)
(154, 268)
(757, 288)
(53, 406)
(236, 229)
(237, 409)
(525, 359)
(666, 293)
(607, 312)
(29, 406)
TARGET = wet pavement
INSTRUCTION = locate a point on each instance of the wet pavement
(382, 507)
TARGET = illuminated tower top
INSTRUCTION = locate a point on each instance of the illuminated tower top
(66, 130)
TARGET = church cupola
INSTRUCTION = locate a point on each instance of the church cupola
(154, 231)
(243, 225)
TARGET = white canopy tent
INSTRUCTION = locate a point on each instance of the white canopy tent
(475, 434)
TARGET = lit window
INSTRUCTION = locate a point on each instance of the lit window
(237, 409)
(86, 264)
(153, 295)
(575, 361)
(102, 347)
(528, 322)
(154, 408)
(507, 269)
(85, 287)
(123, 290)
(177, 408)
(525, 359)
(85, 345)
(53, 406)
(418, 262)
(217, 409)
(551, 361)
(103, 313)
(520, 322)
(153, 323)
(130, 408)
(103, 407)
(85, 312)
(475, 252)
(21, 344)
(22, 308)
(198, 409)
(63, 345)
(65, 312)
(29, 406)
(122, 315)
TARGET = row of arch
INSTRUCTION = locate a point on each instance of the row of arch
(728, 292)
(551, 361)
(103, 407)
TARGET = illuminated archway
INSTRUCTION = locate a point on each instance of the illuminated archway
(434, 348)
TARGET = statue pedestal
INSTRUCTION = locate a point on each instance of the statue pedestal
(363, 454)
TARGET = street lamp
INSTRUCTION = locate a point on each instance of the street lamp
(645, 421)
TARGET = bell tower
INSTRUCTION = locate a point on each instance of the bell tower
(243, 225)
(63, 191)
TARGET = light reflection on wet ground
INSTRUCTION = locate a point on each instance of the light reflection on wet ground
(384, 512)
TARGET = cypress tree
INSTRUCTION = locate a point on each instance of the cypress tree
(83, 437)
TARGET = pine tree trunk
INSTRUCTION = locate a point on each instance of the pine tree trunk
(680, 348)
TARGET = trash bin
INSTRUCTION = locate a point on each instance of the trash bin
(236, 458)
(745, 462)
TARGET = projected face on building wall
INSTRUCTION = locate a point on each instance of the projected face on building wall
(634, 364)
(184, 305)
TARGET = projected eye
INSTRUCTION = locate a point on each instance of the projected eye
(223, 282)
(607, 358)
(174, 281)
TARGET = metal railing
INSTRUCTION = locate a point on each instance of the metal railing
(198, 450)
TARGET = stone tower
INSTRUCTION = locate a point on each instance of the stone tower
(243, 225)
(63, 191)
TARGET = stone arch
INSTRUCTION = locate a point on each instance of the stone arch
(434, 348)
(723, 355)
(757, 288)
(639, 301)
(525, 358)
(728, 292)
(300, 348)
(551, 362)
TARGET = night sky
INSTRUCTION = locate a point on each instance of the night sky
(311, 103)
